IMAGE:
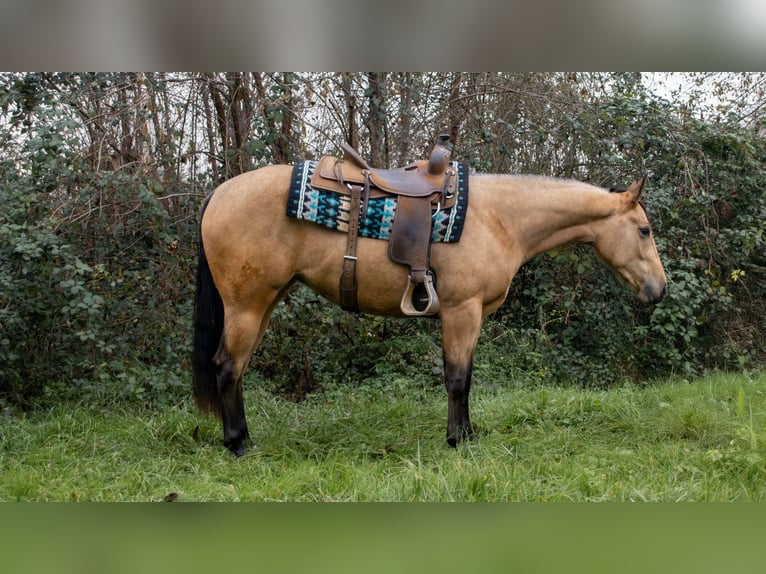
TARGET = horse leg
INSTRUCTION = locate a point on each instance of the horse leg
(237, 342)
(460, 332)
(243, 332)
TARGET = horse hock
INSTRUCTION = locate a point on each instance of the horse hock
(235, 433)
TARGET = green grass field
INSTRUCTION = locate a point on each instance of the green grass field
(673, 440)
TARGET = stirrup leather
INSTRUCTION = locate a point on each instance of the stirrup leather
(408, 307)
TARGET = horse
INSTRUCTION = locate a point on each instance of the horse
(251, 253)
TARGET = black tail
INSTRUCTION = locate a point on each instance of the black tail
(208, 328)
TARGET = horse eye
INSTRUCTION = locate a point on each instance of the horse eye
(645, 231)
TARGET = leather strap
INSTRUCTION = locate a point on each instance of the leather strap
(352, 155)
(348, 283)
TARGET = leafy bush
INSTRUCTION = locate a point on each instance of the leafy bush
(95, 277)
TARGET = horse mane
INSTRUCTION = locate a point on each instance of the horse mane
(547, 181)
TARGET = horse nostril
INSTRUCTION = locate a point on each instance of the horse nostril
(652, 294)
(663, 292)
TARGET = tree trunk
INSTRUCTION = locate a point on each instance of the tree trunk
(284, 143)
(241, 116)
(207, 97)
(278, 115)
(405, 117)
(455, 108)
(376, 118)
(352, 130)
(221, 117)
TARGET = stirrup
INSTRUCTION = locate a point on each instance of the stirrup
(408, 308)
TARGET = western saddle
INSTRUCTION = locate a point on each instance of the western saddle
(422, 188)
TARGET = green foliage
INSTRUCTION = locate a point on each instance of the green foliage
(95, 278)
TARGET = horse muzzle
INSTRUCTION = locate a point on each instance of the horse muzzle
(653, 292)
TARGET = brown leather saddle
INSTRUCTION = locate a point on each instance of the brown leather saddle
(422, 188)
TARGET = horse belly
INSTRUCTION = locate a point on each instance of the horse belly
(381, 282)
(462, 273)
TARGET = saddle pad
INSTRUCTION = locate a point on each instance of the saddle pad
(331, 209)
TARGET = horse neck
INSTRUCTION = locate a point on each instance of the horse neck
(544, 213)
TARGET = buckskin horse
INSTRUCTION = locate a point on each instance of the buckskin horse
(251, 253)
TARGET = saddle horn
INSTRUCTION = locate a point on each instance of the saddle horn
(440, 156)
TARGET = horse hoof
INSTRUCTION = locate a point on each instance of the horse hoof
(462, 435)
(238, 450)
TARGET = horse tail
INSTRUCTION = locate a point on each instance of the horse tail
(208, 328)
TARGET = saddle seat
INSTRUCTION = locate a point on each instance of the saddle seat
(421, 187)
(423, 178)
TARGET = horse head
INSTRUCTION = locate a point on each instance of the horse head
(625, 243)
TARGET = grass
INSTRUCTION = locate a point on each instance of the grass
(669, 441)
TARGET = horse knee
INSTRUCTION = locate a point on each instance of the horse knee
(456, 388)
(457, 380)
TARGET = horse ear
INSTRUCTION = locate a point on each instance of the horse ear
(636, 190)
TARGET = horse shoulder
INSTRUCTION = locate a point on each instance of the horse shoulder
(485, 260)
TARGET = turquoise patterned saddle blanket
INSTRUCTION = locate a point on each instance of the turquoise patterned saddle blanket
(331, 209)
